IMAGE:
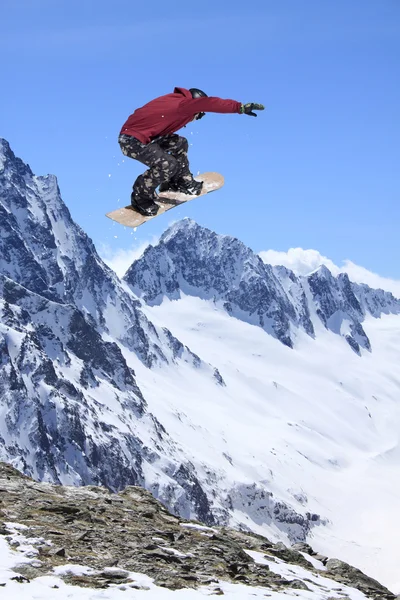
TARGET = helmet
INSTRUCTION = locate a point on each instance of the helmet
(197, 93)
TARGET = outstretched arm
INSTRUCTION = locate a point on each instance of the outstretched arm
(192, 106)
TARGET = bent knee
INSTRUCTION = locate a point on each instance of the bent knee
(169, 166)
(182, 144)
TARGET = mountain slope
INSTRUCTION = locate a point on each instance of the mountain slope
(70, 335)
(315, 424)
(315, 428)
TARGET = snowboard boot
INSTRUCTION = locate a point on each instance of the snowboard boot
(168, 186)
(192, 187)
(145, 206)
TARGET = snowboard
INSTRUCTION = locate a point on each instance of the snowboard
(166, 200)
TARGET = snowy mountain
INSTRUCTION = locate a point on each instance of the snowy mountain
(236, 392)
(71, 408)
(73, 338)
(192, 260)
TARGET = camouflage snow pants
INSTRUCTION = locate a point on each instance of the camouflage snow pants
(166, 158)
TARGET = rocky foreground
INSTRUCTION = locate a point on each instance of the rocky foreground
(113, 535)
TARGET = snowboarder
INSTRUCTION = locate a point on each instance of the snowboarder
(149, 137)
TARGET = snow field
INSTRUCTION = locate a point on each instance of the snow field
(318, 423)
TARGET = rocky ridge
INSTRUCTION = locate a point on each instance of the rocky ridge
(112, 536)
(190, 259)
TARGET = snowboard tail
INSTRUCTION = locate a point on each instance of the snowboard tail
(129, 217)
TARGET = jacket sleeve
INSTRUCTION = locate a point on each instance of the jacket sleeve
(191, 106)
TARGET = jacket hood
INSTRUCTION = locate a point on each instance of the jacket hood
(183, 91)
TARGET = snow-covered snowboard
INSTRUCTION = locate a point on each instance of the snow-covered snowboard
(130, 218)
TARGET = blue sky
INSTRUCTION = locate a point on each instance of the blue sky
(319, 168)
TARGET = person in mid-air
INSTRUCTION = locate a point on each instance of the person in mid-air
(149, 136)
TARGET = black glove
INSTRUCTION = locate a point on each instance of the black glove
(199, 116)
(247, 109)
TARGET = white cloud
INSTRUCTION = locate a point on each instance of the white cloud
(120, 259)
(303, 262)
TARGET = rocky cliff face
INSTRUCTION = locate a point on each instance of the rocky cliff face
(71, 408)
(43, 250)
(89, 537)
(190, 259)
(193, 260)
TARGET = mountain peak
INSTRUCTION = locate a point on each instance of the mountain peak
(5, 150)
(322, 272)
(185, 224)
(188, 229)
(10, 163)
(4, 146)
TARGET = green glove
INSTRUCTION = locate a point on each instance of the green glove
(247, 109)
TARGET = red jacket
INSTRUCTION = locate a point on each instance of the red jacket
(169, 113)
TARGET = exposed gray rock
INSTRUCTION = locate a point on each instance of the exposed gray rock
(265, 509)
(116, 534)
(306, 548)
(344, 573)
